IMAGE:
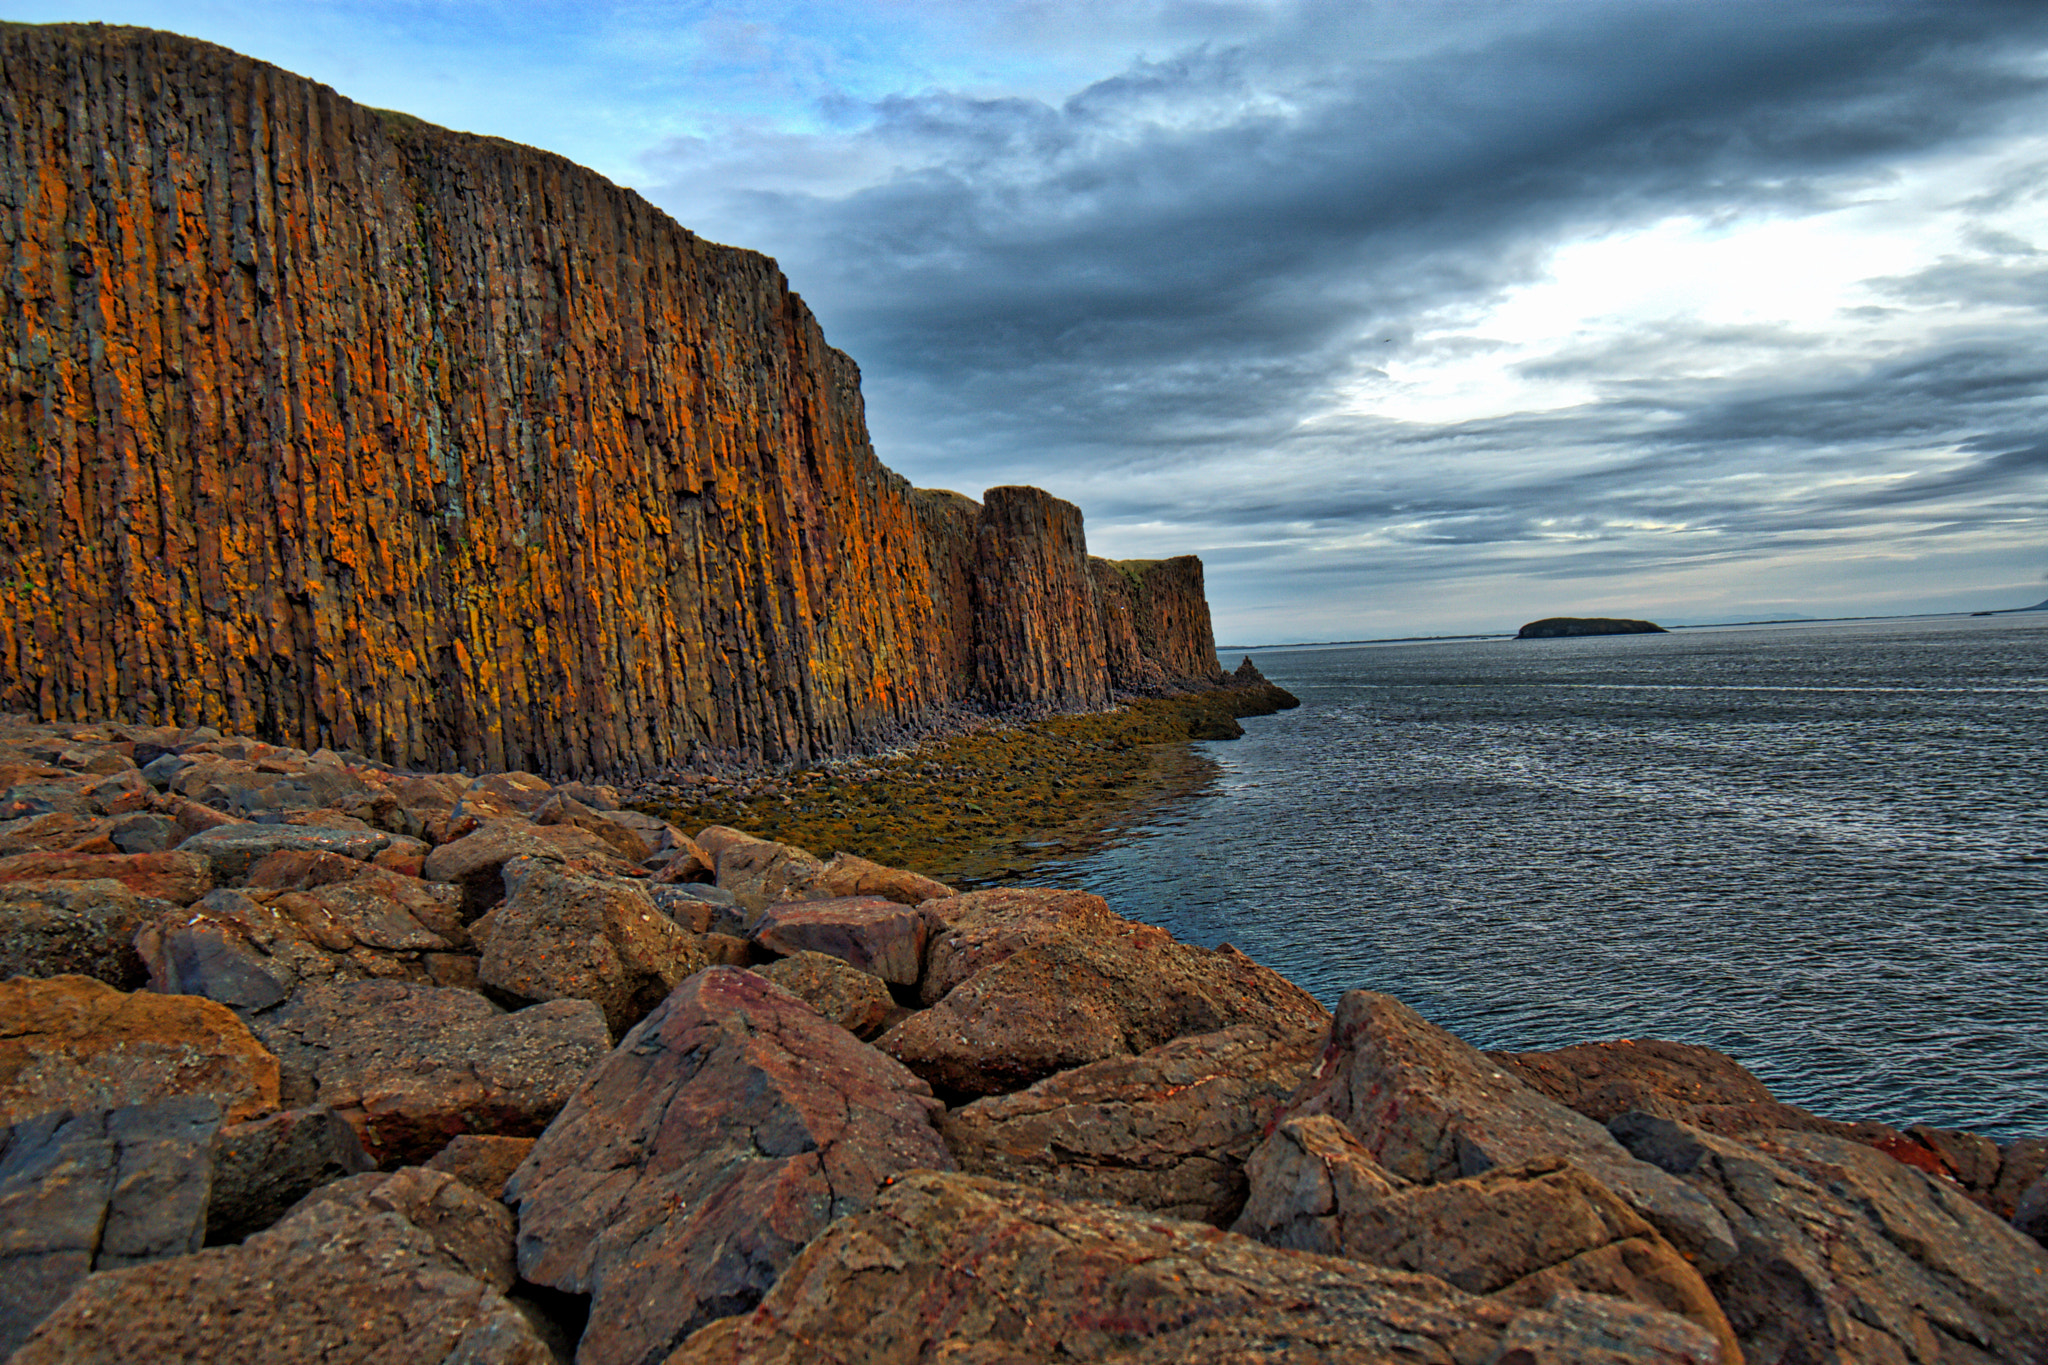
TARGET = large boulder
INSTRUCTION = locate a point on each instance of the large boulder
(980, 928)
(77, 1044)
(848, 874)
(476, 861)
(349, 1278)
(251, 949)
(841, 992)
(473, 1228)
(721, 1135)
(1055, 987)
(96, 1191)
(1167, 1129)
(963, 1268)
(1845, 1255)
(262, 1167)
(1430, 1107)
(75, 928)
(231, 850)
(882, 937)
(560, 936)
(760, 872)
(177, 877)
(1522, 1233)
(411, 1066)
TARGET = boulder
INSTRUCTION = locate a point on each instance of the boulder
(334, 1281)
(96, 1191)
(1845, 1255)
(179, 878)
(882, 937)
(1302, 1180)
(1082, 989)
(841, 992)
(475, 862)
(261, 1167)
(231, 850)
(1168, 1129)
(963, 1268)
(1522, 1233)
(75, 928)
(981, 928)
(251, 950)
(1430, 1107)
(558, 936)
(411, 1066)
(2023, 1162)
(472, 1228)
(761, 872)
(629, 840)
(848, 875)
(721, 1135)
(1646, 1075)
(700, 909)
(77, 1044)
(482, 1161)
(1972, 1159)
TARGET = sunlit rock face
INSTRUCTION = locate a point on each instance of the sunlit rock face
(324, 424)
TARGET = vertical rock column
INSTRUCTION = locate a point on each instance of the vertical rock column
(1038, 632)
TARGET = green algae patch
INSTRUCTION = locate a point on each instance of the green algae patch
(981, 807)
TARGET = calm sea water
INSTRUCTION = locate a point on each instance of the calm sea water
(1820, 848)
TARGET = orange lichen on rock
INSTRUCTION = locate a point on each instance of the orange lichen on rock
(328, 425)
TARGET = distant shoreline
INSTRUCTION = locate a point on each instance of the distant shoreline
(1696, 625)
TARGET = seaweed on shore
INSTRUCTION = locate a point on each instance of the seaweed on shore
(980, 807)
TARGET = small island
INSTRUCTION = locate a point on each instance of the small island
(1555, 627)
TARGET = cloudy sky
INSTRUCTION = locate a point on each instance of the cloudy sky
(1408, 316)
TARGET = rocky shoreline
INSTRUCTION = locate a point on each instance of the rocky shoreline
(303, 1058)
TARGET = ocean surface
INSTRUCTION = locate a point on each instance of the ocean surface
(1821, 848)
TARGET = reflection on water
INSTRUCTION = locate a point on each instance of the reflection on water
(1821, 848)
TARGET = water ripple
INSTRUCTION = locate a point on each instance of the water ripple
(1819, 848)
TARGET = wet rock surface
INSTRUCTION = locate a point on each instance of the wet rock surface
(725, 1131)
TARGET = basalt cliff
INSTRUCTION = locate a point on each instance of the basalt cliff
(322, 424)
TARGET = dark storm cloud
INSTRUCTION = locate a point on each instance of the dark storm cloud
(1140, 293)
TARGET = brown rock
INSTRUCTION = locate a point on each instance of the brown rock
(841, 992)
(331, 1282)
(231, 850)
(96, 1191)
(560, 936)
(1430, 1107)
(81, 928)
(629, 843)
(1088, 988)
(882, 937)
(1971, 1158)
(1168, 1129)
(250, 950)
(955, 1267)
(1303, 1178)
(1847, 1256)
(848, 875)
(472, 1229)
(476, 861)
(1646, 1075)
(687, 863)
(2023, 1162)
(1522, 1232)
(482, 1161)
(725, 1131)
(412, 1066)
(77, 1044)
(262, 1167)
(981, 928)
(301, 869)
(179, 878)
(761, 872)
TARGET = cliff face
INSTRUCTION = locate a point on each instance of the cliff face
(328, 425)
